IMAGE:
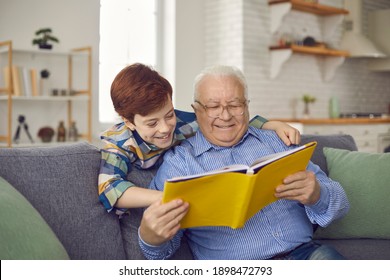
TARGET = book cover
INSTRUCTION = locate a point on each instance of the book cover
(15, 81)
(7, 76)
(20, 79)
(26, 81)
(34, 82)
(230, 196)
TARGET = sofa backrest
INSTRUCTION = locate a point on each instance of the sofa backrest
(338, 141)
(61, 183)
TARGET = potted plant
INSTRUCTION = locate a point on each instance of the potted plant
(307, 99)
(44, 37)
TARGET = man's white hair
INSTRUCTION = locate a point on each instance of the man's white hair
(220, 71)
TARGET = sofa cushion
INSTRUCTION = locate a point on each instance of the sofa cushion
(365, 178)
(361, 249)
(24, 234)
(339, 141)
(61, 183)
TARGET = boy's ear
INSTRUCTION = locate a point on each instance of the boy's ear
(130, 125)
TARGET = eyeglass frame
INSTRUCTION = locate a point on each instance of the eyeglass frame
(224, 107)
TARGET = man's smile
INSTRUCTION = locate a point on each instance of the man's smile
(225, 126)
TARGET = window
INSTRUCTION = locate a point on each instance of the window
(128, 34)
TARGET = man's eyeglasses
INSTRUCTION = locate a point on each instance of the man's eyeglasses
(234, 109)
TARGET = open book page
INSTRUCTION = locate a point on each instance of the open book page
(257, 164)
(230, 168)
(242, 167)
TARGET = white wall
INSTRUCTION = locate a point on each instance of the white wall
(189, 56)
(75, 23)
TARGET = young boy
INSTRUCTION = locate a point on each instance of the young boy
(151, 125)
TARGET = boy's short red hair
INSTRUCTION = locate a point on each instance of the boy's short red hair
(138, 89)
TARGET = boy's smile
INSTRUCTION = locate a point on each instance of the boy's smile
(158, 127)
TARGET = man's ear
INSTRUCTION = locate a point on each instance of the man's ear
(129, 124)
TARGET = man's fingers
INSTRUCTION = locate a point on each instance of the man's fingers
(160, 209)
(163, 217)
(177, 215)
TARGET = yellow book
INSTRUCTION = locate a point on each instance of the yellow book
(231, 195)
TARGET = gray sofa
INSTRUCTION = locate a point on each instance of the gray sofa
(61, 184)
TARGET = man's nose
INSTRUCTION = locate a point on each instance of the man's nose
(225, 114)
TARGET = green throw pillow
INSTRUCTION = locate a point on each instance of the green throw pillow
(24, 234)
(365, 178)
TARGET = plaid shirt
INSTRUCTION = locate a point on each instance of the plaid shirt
(124, 148)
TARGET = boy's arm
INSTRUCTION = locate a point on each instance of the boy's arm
(287, 133)
(115, 191)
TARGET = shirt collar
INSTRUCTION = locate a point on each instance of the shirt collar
(144, 146)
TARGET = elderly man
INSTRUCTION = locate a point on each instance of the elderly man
(281, 230)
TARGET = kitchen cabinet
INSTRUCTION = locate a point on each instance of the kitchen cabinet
(68, 77)
(367, 136)
(332, 18)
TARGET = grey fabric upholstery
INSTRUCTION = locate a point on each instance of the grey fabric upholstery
(361, 249)
(335, 141)
(61, 183)
(129, 223)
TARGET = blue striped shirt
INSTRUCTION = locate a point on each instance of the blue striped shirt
(276, 229)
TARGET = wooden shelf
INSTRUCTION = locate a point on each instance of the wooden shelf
(313, 8)
(332, 16)
(312, 50)
(332, 58)
(46, 98)
(340, 121)
(39, 52)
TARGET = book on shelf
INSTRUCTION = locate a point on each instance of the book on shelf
(24, 81)
(27, 88)
(231, 195)
(7, 76)
(34, 82)
(16, 81)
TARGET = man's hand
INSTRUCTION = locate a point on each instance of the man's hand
(287, 133)
(161, 222)
(301, 186)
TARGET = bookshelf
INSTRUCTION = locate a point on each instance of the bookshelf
(70, 75)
